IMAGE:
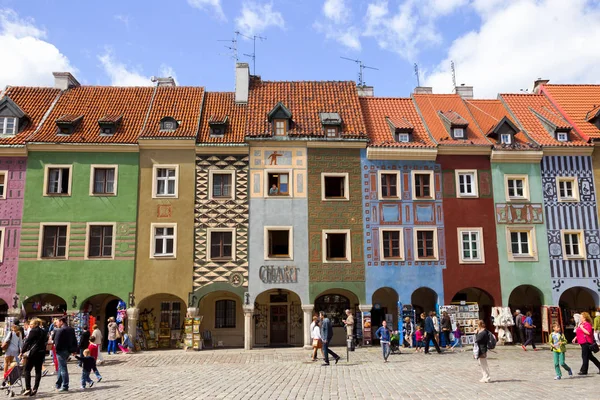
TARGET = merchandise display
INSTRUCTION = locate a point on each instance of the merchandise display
(467, 315)
(503, 319)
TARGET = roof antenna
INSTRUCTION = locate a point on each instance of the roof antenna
(453, 75)
(417, 75)
(361, 67)
(233, 48)
(253, 54)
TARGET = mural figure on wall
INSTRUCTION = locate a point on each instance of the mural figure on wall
(273, 157)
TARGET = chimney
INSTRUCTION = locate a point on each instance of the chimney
(539, 82)
(64, 80)
(242, 82)
(365, 91)
(466, 92)
(169, 81)
(423, 90)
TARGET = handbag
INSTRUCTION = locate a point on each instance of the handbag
(7, 343)
(317, 344)
(594, 347)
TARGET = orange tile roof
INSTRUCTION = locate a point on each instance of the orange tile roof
(523, 106)
(553, 117)
(35, 102)
(429, 105)
(95, 102)
(218, 106)
(183, 103)
(454, 118)
(375, 111)
(575, 102)
(305, 100)
(399, 122)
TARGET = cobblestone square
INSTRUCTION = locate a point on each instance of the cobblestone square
(289, 374)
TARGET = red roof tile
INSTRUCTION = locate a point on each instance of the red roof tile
(552, 117)
(575, 102)
(305, 100)
(524, 108)
(111, 118)
(35, 102)
(217, 106)
(401, 112)
(454, 118)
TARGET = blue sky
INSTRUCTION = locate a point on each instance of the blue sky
(497, 45)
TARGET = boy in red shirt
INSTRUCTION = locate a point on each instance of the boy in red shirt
(93, 348)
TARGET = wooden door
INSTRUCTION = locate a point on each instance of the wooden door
(279, 326)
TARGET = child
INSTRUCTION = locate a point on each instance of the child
(457, 337)
(93, 348)
(419, 337)
(558, 344)
(126, 345)
(89, 364)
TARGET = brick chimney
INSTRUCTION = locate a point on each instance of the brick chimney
(242, 83)
(365, 91)
(64, 80)
(423, 90)
(539, 82)
(466, 92)
(168, 81)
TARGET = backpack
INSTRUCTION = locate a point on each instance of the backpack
(491, 344)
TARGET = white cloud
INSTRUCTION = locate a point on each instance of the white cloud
(336, 10)
(121, 74)
(521, 41)
(122, 18)
(255, 18)
(215, 5)
(337, 14)
(166, 71)
(28, 59)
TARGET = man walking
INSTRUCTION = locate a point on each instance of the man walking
(349, 321)
(430, 333)
(65, 342)
(519, 326)
(529, 331)
(326, 336)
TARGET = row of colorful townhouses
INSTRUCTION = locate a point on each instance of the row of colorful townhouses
(258, 207)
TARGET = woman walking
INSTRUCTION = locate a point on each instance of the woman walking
(113, 335)
(408, 331)
(585, 338)
(97, 334)
(35, 347)
(482, 344)
(12, 344)
(446, 329)
(529, 332)
(315, 334)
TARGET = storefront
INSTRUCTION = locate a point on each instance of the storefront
(160, 323)
(528, 298)
(575, 301)
(278, 319)
(45, 306)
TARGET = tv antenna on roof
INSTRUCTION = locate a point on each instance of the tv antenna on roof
(233, 48)
(253, 54)
(417, 74)
(453, 75)
(361, 67)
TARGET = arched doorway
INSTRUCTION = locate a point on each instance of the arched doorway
(528, 298)
(479, 296)
(424, 300)
(223, 316)
(45, 306)
(385, 307)
(99, 308)
(335, 302)
(278, 319)
(161, 318)
(577, 300)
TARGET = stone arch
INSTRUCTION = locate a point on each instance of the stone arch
(385, 301)
(577, 299)
(477, 295)
(424, 299)
(278, 318)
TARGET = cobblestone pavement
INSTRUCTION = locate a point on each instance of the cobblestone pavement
(289, 374)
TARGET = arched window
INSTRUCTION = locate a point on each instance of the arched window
(225, 314)
(335, 306)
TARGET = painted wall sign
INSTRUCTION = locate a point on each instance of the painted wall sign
(278, 274)
(519, 214)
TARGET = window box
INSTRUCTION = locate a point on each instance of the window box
(221, 184)
(516, 187)
(567, 189)
(100, 240)
(389, 185)
(573, 244)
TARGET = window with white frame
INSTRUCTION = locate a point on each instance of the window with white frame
(8, 126)
(505, 138)
(402, 137)
(221, 244)
(466, 183)
(391, 244)
(2, 238)
(57, 180)
(336, 246)
(334, 186)
(164, 240)
(165, 180)
(100, 240)
(521, 243)
(280, 127)
(568, 189)
(422, 185)
(516, 187)
(562, 136)
(222, 184)
(104, 180)
(279, 243)
(573, 244)
(470, 245)
(54, 241)
(3, 177)
(389, 182)
(425, 241)
(458, 133)
(331, 131)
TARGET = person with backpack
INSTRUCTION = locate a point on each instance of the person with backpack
(529, 331)
(519, 318)
(485, 341)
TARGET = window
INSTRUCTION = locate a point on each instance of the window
(331, 131)
(100, 240)
(573, 244)
(279, 243)
(168, 124)
(103, 180)
(8, 126)
(335, 306)
(225, 314)
(516, 187)
(279, 183)
(221, 244)
(568, 189)
(170, 314)
(107, 130)
(426, 244)
(334, 186)
(458, 133)
(165, 180)
(521, 243)
(402, 137)
(466, 183)
(562, 136)
(391, 244)
(54, 241)
(336, 246)
(164, 240)
(57, 180)
(389, 183)
(217, 130)
(222, 184)
(3, 176)
(470, 245)
(422, 182)
(280, 127)
(505, 138)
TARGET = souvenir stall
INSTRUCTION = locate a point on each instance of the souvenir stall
(146, 335)
(550, 316)
(467, 316)
(503, 320)
(45, 307)
(192, 339)
(405, 310)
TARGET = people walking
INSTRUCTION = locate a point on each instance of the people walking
(480, 352)
(430, 333)
(597, 326)
(349, 322)
(113, 335)
(315, 335)
(419, 339)
(558, 345)
(11, 345)
(446, 329)
(97, 334)
(520, 327)
(84, 342)
(457, 338)
(65, 342)
(436, 325)
(326, 336)
(35, 348)
(529, 332)
(383, 334)
(409, 329)
(585, 339)
(88, 364)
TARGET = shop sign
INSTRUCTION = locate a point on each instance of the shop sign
(278, 274)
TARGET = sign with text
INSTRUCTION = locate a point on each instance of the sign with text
(278, 274)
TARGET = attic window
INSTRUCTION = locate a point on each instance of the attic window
(562, 136)
(217, 126)
(332, 123)
(12, 118)
(402, 137)
(107, 130)
(458, 133)
(401, 129)
(168, 124)
(505, 138)
(108, 124)
(280, 116)
(68, 123)
(280, 127)
(8, 126)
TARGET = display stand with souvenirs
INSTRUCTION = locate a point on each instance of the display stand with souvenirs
(192, 338)
(467, 316)
(147, 337)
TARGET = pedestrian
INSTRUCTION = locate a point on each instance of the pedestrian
(519, 326)
(585, 339)
(315, 335)
(597, 326)
(34, 351)
(84, 341)
(409, 329)
(457, 338)
(480, 351)
(419, 339)
(446, 329)
(529, 332)
(113, 335)
(21, 329)
(436, 325)
(52, 331)
(349, 322)
(88, 365)
(326, 336)
(26, 329)
(126, 345)
(97, 334)
(430, 333)
(65, 343)
(558, 345)
(383, 334)
(11, 345)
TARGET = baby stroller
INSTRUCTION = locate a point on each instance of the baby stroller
(12, 379)
(395, 343)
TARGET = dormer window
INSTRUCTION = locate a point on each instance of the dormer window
(280, 127)
(553, 123)
(402, 130)
(8, 126)
(504, 132)
(402, 137)
(68, 123)
(218, 125)
(108, 124)
(505, 138)
(168, 124)
(455, 124)
(281, 118)
(458, 133)
(332, 123)
(562, 136)
(331, 131)
(12, 118)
